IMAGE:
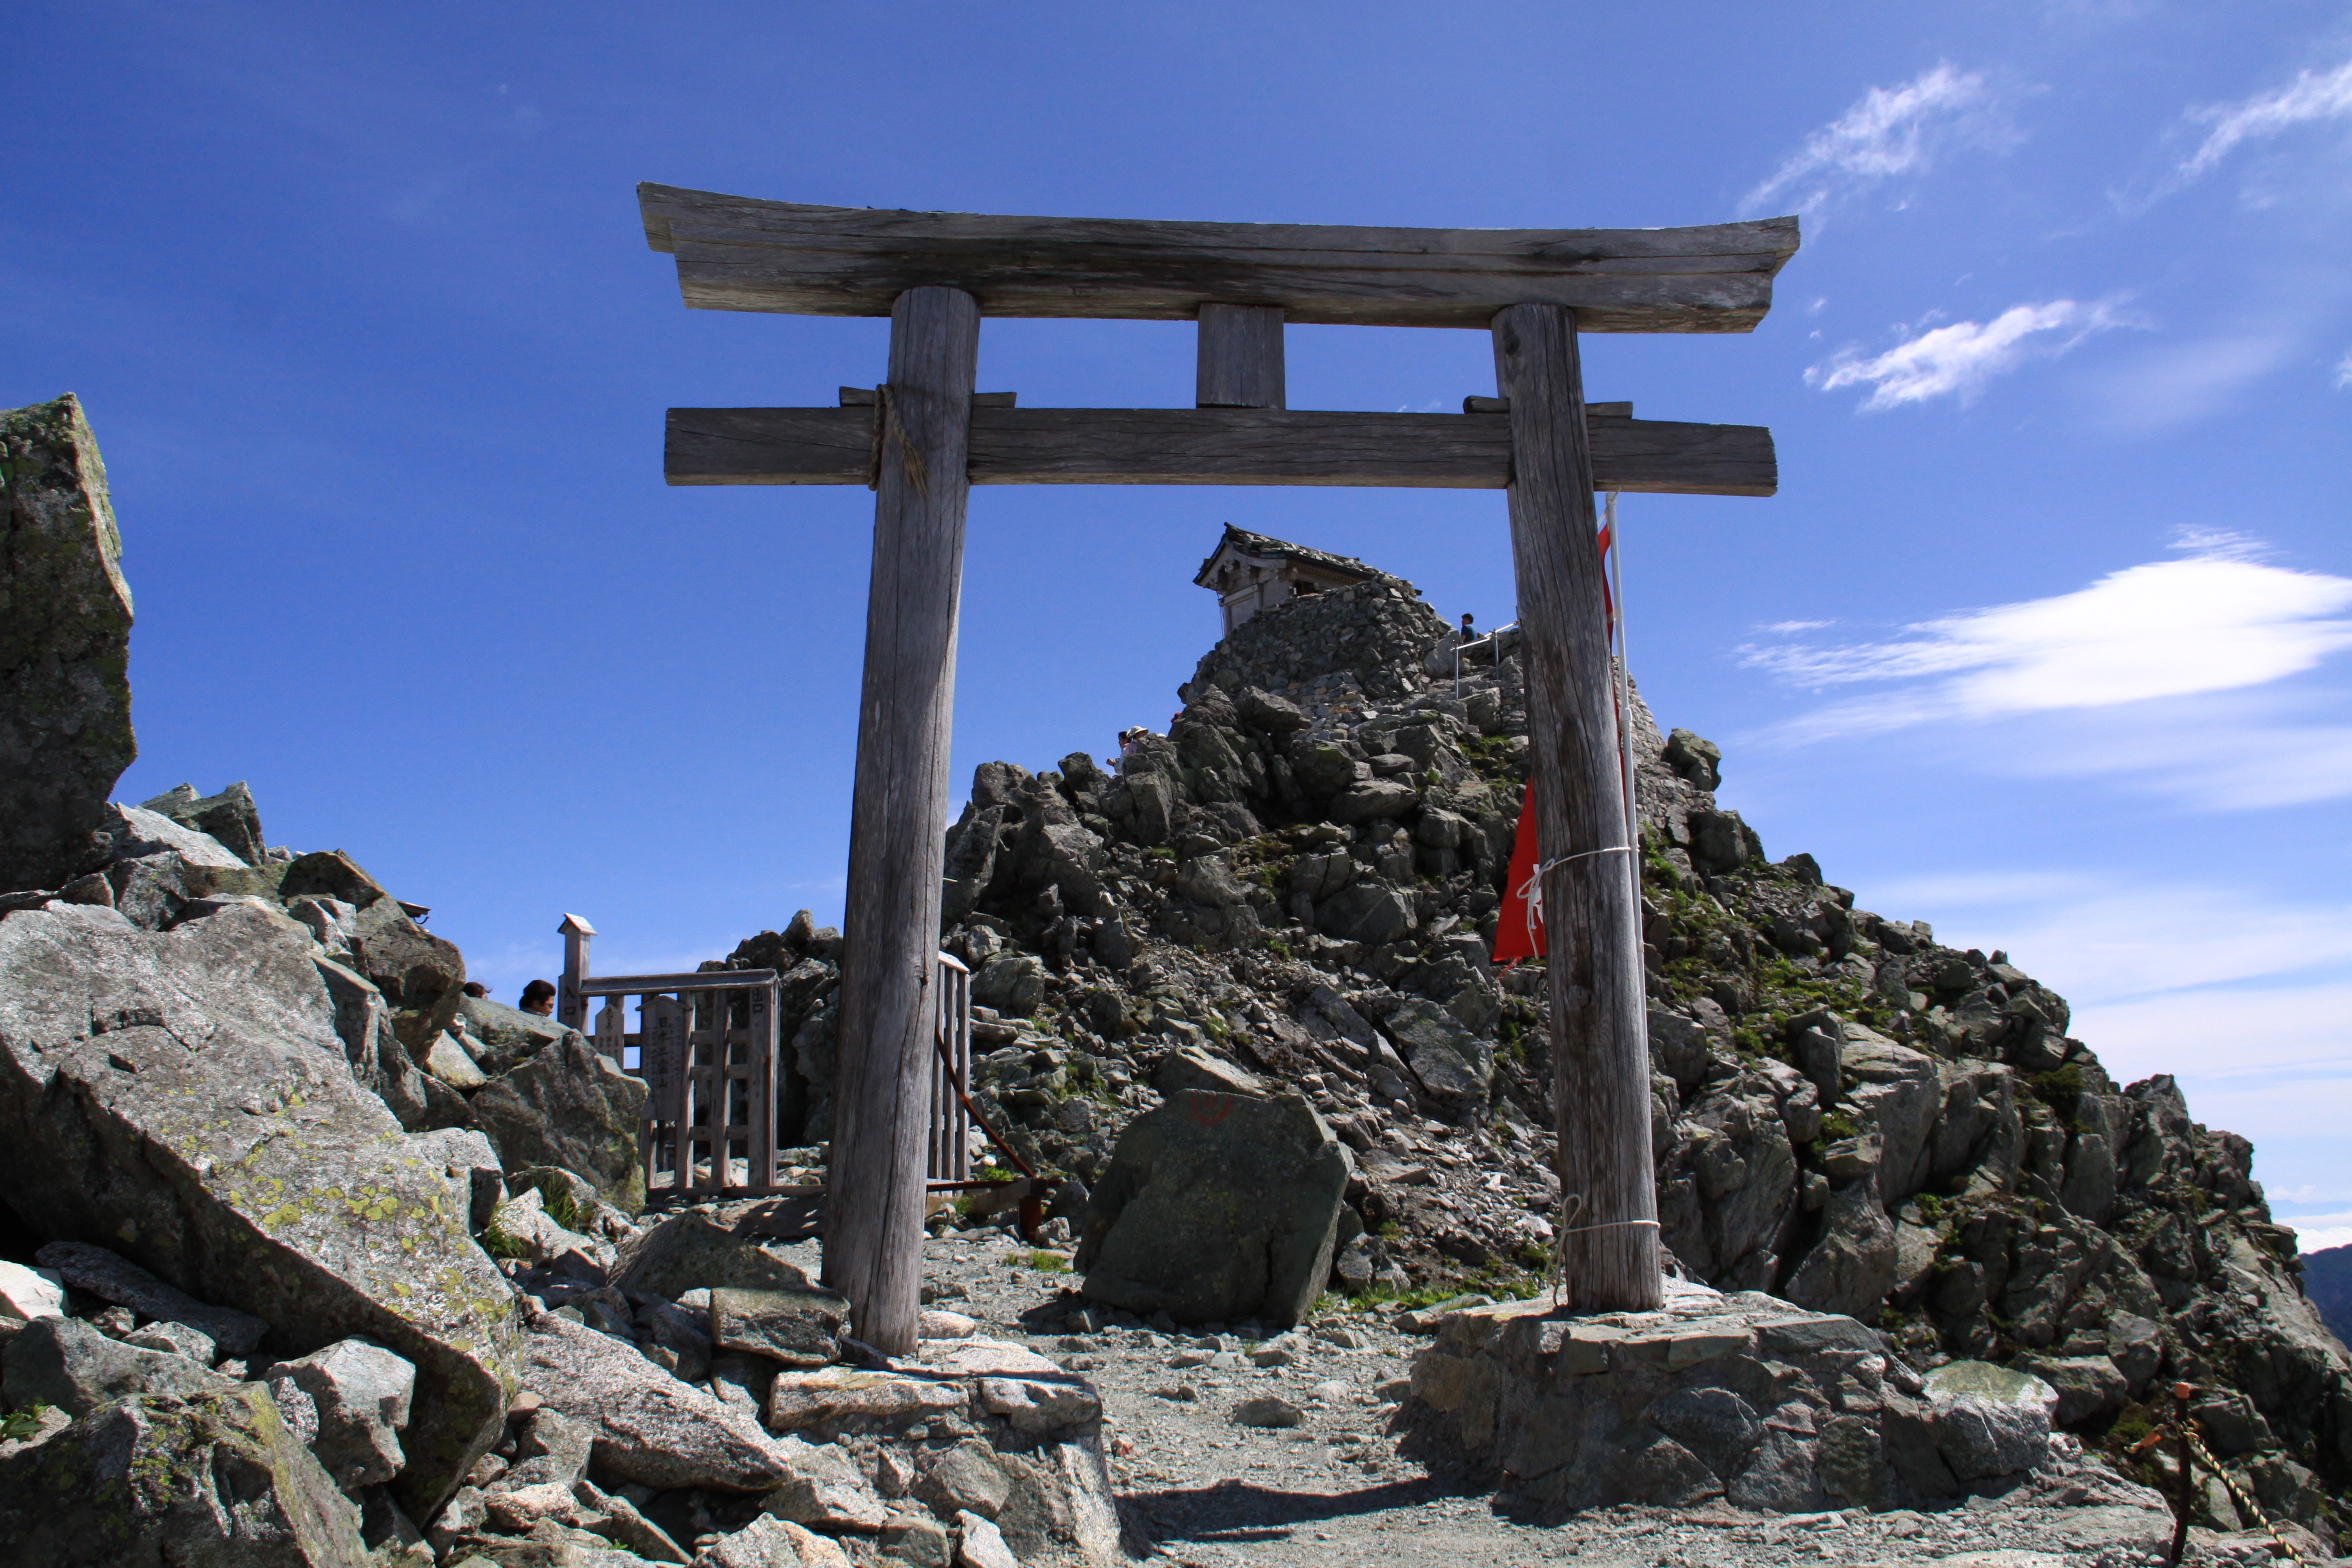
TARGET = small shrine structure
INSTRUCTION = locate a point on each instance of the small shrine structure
(1252, 572)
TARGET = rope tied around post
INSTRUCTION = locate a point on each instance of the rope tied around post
(1530, 892)
(1571, 1208)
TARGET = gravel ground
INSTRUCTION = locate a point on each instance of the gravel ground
(1332, 1491)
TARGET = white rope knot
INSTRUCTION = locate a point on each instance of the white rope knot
(1530, 892)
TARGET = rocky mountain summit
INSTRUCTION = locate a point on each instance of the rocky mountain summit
(310, 1256)
(1297, 887)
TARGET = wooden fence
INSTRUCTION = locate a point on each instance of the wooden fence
(709, 1048)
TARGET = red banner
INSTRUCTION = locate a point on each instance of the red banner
(1519, 930)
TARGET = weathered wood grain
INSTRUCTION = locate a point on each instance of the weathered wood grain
(1600, 1055)
(1240, 357)
(736, 253)
(648, 985)
(571, 1005)
(1218, 446)
(762, 1039)
(890, 924)
(867, 397)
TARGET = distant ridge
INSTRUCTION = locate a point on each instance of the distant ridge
(2327, 1281)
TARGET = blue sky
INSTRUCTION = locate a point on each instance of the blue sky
(2045, 638)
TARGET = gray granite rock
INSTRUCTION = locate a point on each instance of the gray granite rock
(67, 1363)
(1217, 1207)
(649, 1427)
(573, 1107)
(182, 1096)
(1990, 1421)
(824, 1491)
(692, 1251)
(230, 818)
(1741, 1397)
(111, 1277)
(152, 1481)
(356, 1398)
(65, 630)
(796, 1328)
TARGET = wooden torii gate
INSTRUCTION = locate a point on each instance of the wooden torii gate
(923, 438)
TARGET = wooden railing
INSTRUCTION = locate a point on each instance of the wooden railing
(709, 1046)
(951, 1075)
(706, 1047)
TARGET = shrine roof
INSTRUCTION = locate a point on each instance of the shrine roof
(1244, 542)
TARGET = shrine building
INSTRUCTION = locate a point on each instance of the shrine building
(1251, 572)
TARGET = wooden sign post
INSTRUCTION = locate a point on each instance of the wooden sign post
(924, 438)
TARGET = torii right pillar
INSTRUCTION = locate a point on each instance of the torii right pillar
(1600, 1052)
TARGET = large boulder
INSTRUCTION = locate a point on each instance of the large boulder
(181, 1097)
(1852, 1267)
(649, 1428)
(1990, 1421)
(1452, 1063)
(508, 1035)
(422, 975)
(573, 1107)
(1896, 1092)
(114, 1279)
(1217, 1207)
(67, 1363)
(1368, 912)
(379, 1062)
(348, 1402)
(695, 1252)
(230, 818)
(156, 1482)
(65, 643)
(797, 1328)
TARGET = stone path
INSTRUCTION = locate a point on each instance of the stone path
(1332, 1491)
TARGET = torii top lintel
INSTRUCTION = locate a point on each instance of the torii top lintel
(736, 253)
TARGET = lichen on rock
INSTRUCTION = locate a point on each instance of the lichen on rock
(65, 640)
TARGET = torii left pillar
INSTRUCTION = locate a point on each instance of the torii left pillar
(890, 925)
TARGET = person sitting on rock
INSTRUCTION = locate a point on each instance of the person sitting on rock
(539, 997)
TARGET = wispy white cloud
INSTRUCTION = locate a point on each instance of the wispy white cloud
(2165, 677)
(1791, 628)
(2220, 751)
(2217, 620)
(2317, 1233)
(2272, 1026)
(1889, 132)
(2307, 1194)
(2177, 383)
(2312, 97)
(1958, 360)
(2343, 372)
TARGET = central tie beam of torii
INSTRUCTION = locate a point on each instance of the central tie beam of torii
(923, 438)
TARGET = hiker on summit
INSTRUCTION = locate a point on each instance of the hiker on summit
(539, 997)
